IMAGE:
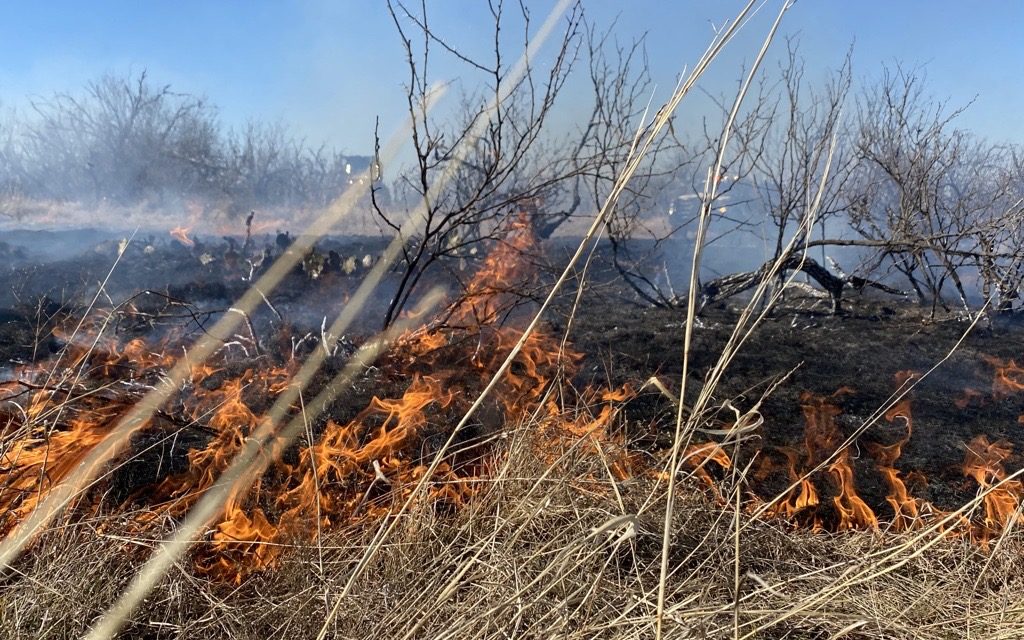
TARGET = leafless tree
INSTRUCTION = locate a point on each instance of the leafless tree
(935, 204)
(790, 172)
(998, 238)
(129, 141)
(798, 170)
(12, 170)
(926, 199)
(619, 77)
(519, 169)
(775, 161)
(120, 140)
(934, 200)
(909, 151)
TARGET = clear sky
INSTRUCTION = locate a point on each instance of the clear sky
(327, 68)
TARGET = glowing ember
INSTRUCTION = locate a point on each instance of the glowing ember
(181, 235)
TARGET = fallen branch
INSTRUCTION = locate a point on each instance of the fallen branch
(834, 285)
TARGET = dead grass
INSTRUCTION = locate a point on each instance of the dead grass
(556, 549)
(546, 551)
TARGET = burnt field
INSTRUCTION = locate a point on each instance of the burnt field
(814, 426)
(823, 439)
(511, 320)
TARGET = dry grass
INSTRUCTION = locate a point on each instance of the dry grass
(546, 551)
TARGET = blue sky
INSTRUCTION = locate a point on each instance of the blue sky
(328, 68)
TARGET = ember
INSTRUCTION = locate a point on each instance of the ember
(181, 235)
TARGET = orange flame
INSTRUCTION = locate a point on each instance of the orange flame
(802, 502)
(906, 508)
(1008, 379)
(347, 472)
(356, 469)
(984, 463)
(181, 233)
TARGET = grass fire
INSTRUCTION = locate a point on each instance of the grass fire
(578, 346)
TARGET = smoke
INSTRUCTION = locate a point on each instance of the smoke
(129, 151)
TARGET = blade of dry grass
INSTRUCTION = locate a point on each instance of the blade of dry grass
(710, 187)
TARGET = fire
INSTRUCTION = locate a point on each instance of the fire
(580, 428)
(354, 467)
(822, 440)
(346, 471)
(984, 462)
(500, 274)
(33, 465)
(854, 513)
(906, 508)
(1001, 497)
(181, 233)
(697, 458)
(1008, 379)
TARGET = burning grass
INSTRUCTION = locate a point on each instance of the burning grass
(547, 549)
(543, 518)
(537, 515)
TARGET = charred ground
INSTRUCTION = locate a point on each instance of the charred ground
(162, 285)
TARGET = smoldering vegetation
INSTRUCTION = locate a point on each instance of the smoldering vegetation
(747, 377)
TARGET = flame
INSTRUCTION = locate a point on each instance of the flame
(180, 233)
(854, 513)
(906, 508)
(802, 503)
(355, 468)
(696, 457)
(34, 465)
(984, 463)
(500, 274)
(345, 472)
(1008, 379)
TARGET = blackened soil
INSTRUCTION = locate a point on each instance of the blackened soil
(864, 349)
(163, 283)
(26, 331)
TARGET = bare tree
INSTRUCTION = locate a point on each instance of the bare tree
(12, 170)
(776, 154)
(620, 81)
(122, 139)
(999, 236)
(932, 199)
(790, 172)
(128, 141)
(519, 169)
(909, 150)
(936, 204)
(797, 171)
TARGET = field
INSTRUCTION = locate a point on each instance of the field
(813, 500)
(550, 357)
